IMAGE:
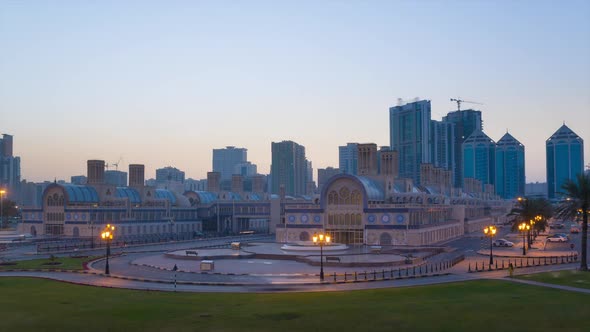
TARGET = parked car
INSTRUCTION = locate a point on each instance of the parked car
(556, 226)
(557, 238)
(574, 230)
(503, 243)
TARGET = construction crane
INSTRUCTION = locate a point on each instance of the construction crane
(459, 101)
(114, 164)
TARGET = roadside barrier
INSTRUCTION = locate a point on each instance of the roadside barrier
(521, 262)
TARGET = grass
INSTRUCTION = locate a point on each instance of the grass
(573, 278)
(68, 263)
(44, 305)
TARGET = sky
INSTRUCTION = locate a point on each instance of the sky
(162, 83)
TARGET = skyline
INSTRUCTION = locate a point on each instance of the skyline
(165, 85)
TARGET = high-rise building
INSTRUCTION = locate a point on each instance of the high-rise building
(409, 133)
(348, 158)
(324, 174)
(245, 169)
(565, 159)
(510, 177)
(479, 158)
(288, 168)
(115, 178)
(443, 144)
(226, 159)
(465, 123)
(167, 174)
(9, 168)
(79, 179)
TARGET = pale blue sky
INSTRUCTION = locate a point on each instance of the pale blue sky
(164, 82)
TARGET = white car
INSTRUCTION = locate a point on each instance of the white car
(557, 238)
(503, 243)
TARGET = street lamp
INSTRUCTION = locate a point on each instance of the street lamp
(2, 192)
(321, 239)
(490, 231)
(532, 223)
(107, 235)
(524, 227)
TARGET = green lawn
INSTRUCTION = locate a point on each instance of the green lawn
(67, 263)
(572, 278)
(44, 305)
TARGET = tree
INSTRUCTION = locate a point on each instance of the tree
(529, 209)
(577, 201)
(9, 210)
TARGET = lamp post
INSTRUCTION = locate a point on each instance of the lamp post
(524, 227)
(530, 232)
(107, 235)
(2, 192)
(490, 231)
(321, 239)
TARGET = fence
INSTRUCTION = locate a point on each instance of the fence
(423, 270)
(501, 264)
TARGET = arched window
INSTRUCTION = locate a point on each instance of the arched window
(356, 197)
(344, 195)
(49, 201)
(333, 197)
(347, 219)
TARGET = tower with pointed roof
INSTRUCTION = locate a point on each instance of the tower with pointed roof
(510, 176)
(479, 158)
(565, 159)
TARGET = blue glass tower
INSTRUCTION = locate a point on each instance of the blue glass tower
(510, 177)
(479, 152)
(348, 156)
(565, 159)
(409, 134)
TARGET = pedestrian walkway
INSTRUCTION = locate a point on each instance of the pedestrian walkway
(542, 284)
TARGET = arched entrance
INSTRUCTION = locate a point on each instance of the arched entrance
(304, 236)
(33, 231)
(385, 239)
(76, 232)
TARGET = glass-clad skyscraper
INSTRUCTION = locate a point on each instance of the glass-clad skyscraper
(225, 160)
(478, 158)
(465, 123)
(289, 168)
(565, 159)
(348, 157)
(409, 134)
(510, 176)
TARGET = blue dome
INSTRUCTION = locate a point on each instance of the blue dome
(80, 194)
(126, 192)
(166, 194)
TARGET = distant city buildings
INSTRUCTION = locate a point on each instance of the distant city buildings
(479, 153)
(195, 185)
(409, 130)
(464, 124)
(168, 174)
(536, 189)
(116, 178)
(289, 169)
(348, 158)
(324, 174)
(225, 161)
(510, 162)
(78, 179)
(9, 168)
(443, 144)
(565, 159)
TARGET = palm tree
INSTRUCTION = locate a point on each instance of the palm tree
(529, 209)
(577, 200)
